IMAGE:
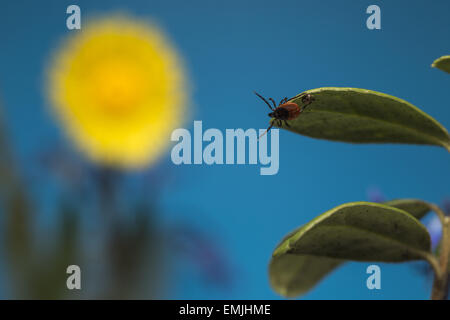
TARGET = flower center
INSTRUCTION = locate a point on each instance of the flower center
(118, 87)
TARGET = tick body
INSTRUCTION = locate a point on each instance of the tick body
(285, 110)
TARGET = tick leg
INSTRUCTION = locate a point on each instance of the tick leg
(284, 100)
(287, 124)
(264, 100)
(280, 123)
(274, 104)
(268, 129)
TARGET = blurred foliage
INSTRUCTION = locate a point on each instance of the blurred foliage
(35, 271)
(124, 256)
(36, 260)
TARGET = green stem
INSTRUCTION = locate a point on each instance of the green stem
(434, 262)
(441, 279)
(438, 211)
(106, 179)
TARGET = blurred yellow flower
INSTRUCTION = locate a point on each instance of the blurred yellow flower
(118, 88)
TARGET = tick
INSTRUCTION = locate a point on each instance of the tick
(285, 110)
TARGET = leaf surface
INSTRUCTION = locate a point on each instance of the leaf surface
(365, 116)
(359, 231)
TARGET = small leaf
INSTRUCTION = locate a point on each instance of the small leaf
(417, 208)
(442, 63)
(292, 275)
(360, 231)
(364, 116)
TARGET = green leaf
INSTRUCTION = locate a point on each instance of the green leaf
(360, 231)
(417, 208)
(364, 116)
(442, 63)
(292, 275)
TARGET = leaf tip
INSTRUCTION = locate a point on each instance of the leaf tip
(442, 63)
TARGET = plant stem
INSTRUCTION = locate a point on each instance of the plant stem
(441, 279)
(107, 191)
(434, 262)
(439, 212)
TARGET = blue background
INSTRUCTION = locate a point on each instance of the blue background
(279, 48)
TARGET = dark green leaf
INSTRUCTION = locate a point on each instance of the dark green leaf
(361, 231)
(442, 63)
(364, 116)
